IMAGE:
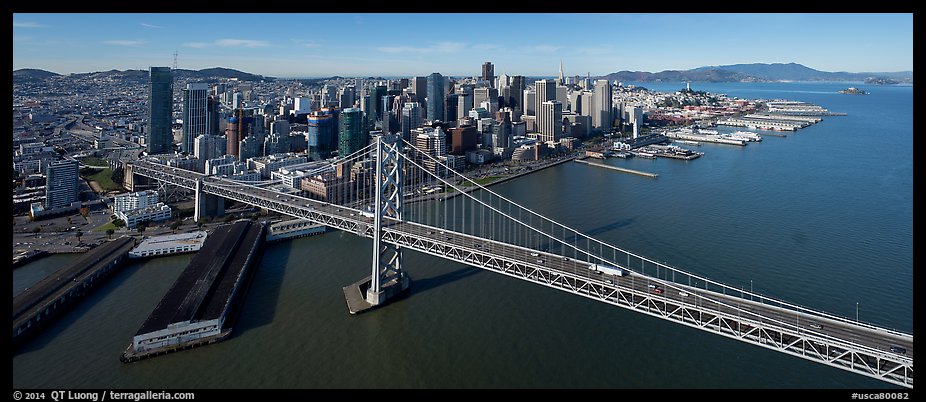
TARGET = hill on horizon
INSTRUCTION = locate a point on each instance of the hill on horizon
(755, 72)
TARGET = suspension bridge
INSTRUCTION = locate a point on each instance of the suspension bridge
(404, 197)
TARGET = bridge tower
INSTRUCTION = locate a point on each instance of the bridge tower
(388, 278)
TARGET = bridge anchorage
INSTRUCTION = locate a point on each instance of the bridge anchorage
(388, 279)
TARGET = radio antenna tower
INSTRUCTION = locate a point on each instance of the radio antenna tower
(175, 60)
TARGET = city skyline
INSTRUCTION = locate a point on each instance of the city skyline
(298, 45)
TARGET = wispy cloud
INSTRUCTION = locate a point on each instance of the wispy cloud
(439, 47)
(229, 43)
(150, 25)
(28, 24)
(126, 42)
(543, 48)
(305, 43)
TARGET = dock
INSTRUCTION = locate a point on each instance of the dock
(39, 304)
(619, 169)
(705, 138)
(201, 306)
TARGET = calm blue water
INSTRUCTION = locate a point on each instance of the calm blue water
(822, 218)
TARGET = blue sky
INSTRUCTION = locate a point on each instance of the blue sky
(307, 45)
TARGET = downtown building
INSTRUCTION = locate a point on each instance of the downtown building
(196, 117)
(159, 139)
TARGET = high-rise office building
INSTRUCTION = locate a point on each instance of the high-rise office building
(351, 132)
(60, 183)
(436, 97)
(347, 97)
(488, 73)
(464, 105)
(550, 121)
(160, 106)
(322, 135)
(411, 119)
(517, 93)
(196, 117)
(544, 90)
(601, 105)
(206, 146)
(501, 136)
(485, 94)
(212, 109)
(419, 86)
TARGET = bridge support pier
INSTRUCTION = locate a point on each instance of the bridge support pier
(388, 278)
(206, 204)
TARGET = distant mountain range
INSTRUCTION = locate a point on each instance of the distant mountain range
(756, 72)
(31, 74)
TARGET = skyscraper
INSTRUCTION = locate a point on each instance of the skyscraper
(411, 119)
(231, 136)
(160, 106)
(517, 93)
(601, 105)
(545, 90)
(436, 97)
(196, 117)
(322, 137)
(419, 86)
(351, 134)
(550, 121)
(206, 146)
(488, 73)
(347, 97)
(60, 183)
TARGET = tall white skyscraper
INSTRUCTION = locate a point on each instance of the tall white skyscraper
(545, 90)
(196, 120)
(550, 121)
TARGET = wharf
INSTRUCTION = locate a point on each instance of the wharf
(201, 306)
(620, 169)
(47, 299)
(706, 138)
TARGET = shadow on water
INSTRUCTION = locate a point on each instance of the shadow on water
(73, 313)
(267, 279)
(423, 285)
(611, 226)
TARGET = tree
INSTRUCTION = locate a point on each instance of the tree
(78, 235)
(175, 225)
(140, 228)
(109, 233)
(118, 223)
(200, 222)
(229, 218)
(37, 230)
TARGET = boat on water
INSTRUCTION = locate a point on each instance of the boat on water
(645, 155)
(746, 135)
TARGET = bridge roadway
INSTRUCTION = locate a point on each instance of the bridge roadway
(837, 342)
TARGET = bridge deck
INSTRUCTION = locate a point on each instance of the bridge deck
(839, 342)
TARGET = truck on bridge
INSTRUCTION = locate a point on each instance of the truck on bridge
(606, 269)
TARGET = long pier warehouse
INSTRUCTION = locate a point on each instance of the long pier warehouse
(200, 307)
